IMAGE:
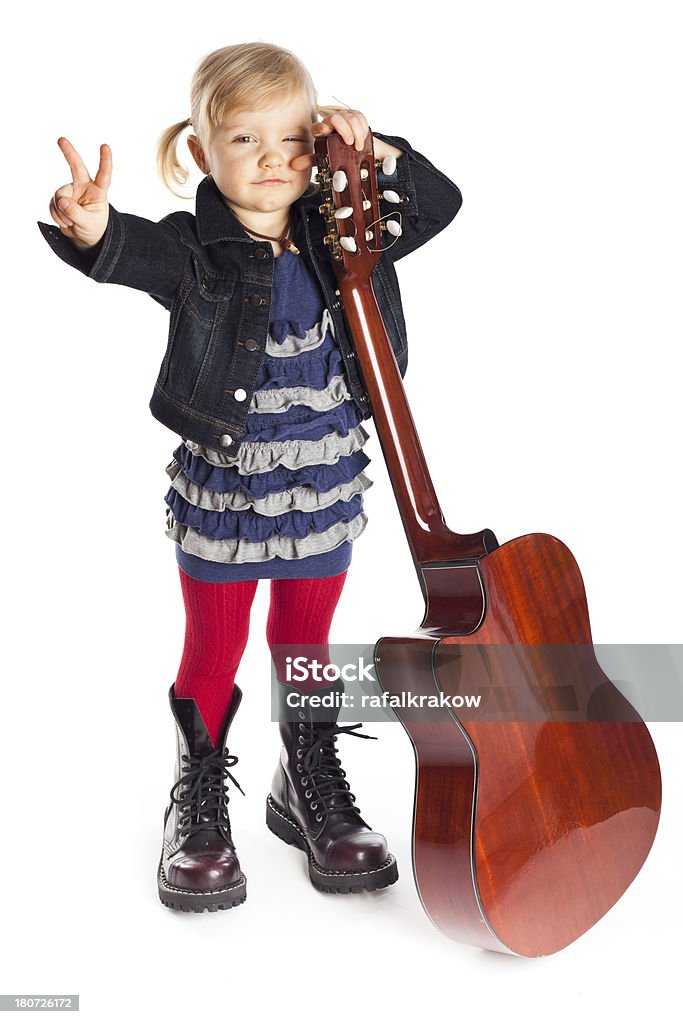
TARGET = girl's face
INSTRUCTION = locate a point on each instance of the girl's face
(252, 159)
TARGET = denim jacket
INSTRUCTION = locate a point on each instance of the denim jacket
(216, 282)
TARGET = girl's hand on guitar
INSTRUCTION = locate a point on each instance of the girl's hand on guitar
(80, 208)
(353, 127)
(350, 124)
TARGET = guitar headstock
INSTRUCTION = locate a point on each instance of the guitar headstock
(348, 189)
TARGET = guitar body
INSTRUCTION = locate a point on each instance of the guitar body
(525, 831)
(534, 811)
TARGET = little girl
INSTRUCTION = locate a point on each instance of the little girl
(259, 381)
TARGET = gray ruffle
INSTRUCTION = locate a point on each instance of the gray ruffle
(293, 344)
(240, 550)
(305, 498)
(281, 399)
(262, 456)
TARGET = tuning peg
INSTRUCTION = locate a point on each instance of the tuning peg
(390, 196)
(339, 181)
(343, 211)
(366, 204)
(369, 235)
(348, 243)
(394, 228)
(389, 164)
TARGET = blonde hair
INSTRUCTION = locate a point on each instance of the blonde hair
(246, 75)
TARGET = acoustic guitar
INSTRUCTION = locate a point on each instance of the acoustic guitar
(533, 812)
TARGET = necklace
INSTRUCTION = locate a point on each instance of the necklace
(284, 240)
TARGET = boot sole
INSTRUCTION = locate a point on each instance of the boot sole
(286, 829)
(192, 900)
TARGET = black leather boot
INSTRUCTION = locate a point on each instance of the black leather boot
(199, 869)
(311, 806)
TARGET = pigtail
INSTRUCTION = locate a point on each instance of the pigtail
(171, 171)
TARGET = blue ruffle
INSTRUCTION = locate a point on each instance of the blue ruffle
(279, 330)
(300, 423)
(254, 527)
(225, 479)
(314, 368)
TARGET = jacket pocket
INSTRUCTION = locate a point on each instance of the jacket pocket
(200, 301)
(212, 286)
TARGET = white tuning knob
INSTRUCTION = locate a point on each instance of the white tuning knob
(343, 211)
(389, 164)
(394, 228)
(391, 196)
(349, 244)
(339, 181)
(366, 204)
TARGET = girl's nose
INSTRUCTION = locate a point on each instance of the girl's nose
(272, 158)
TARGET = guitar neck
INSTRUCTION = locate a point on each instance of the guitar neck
(429, 538)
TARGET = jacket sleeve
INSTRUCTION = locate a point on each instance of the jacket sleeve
(430, 199)
(133, 251)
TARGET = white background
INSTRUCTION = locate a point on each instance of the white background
(544, 328)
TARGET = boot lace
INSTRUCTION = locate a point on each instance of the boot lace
(323, 773)
(201, 793)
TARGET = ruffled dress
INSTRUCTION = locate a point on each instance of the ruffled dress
(289, 503)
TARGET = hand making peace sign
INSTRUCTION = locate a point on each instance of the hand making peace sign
(80, 208)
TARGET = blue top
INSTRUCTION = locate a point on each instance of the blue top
(289, 504)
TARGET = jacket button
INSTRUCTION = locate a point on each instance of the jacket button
(226, 440)
(256, 300)
(240, 395)
(261, 254)
(251, 344)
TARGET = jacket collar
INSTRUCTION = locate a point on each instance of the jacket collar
(217, 223)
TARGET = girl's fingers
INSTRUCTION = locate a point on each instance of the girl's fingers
(304, 160)
(71, 212)
(341, 125)
(103, 176)
(64, 192)
(79, 171)
(351, 125)
(359, 127)
(59, 217)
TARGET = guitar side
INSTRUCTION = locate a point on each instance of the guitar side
(534, 815)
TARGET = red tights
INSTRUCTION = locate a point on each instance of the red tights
(217, 629)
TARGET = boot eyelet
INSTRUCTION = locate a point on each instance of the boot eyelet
(309, 793)
(318, 817)
(301, 714)
(314, 806)
(304, 782)
(299, 767)
(299, 754)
